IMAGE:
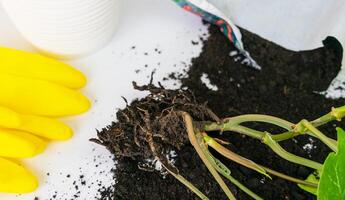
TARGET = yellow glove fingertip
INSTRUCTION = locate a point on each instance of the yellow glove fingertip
(61, 132)
(36, 66)
(45, 127)
(82, 104)
(37, 97)
(19, 144)
(27, 183)
(66, 134)
(82, 81)
(14, 178)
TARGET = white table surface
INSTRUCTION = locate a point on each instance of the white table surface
(150, 24)
(145, 24)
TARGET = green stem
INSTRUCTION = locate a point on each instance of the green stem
(259, 118)
(338, 113)
(233, 156)
(196, 139)
(268, 140)
(234, 128)
(225, 171)
(284, 136)
(331, 144)
(233, 124)
(246, 131)
(289, 178)
(228, 123)
(290, 134)
(335, 114)
(288, 156)
(323, 120)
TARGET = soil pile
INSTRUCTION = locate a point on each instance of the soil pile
(287, 86)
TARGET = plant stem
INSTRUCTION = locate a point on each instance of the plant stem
(335, 114)
(323, 120)
(233, 156)
(267, 139)
(289, 178)
(188, 184)
(331, 144)
(196, 140)
(230, 155)
(242, 187)
(290, 134)
(233, 124)
(230, 123)
(246, 131)
(222, 169)
(284, 136)
(235, 128)
(259, 118)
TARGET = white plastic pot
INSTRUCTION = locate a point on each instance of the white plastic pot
(65, 28)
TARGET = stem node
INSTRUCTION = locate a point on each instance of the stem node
(338, 113)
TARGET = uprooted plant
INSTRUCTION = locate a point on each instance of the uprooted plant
(167, 120)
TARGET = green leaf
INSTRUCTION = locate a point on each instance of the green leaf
(332, 181)
(313, 178)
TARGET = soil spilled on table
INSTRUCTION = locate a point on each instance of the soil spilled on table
(287, 86)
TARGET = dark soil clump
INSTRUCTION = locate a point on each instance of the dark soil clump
(152, 127)
(287, 86)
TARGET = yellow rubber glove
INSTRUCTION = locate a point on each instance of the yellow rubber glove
(31, 65)
(48, 128)
(38, 97)
(14, 178)
(33, 89)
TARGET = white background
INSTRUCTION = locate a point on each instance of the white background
(150, 24)
(145, 24)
